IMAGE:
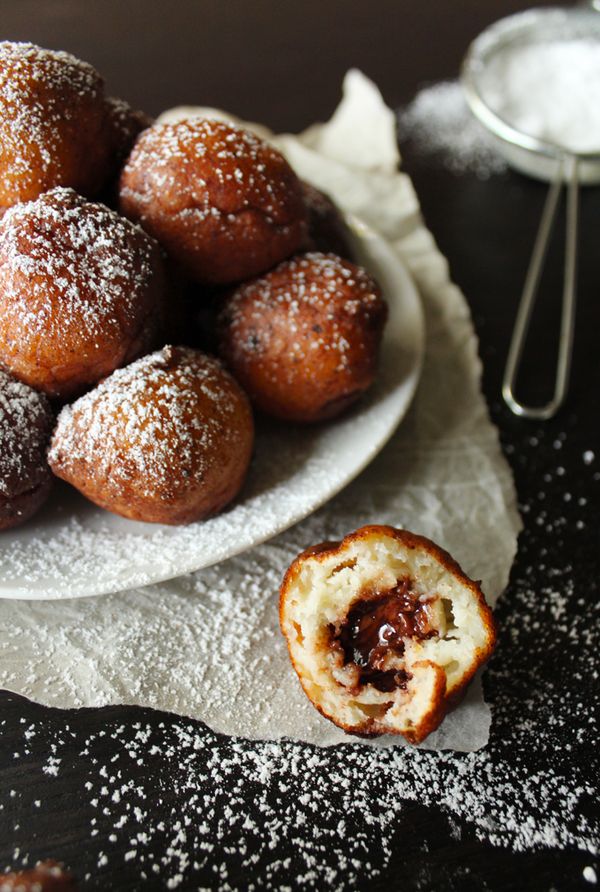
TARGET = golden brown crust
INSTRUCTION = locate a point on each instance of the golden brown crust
(126, 124)
(223, 203)
(82, 292)
(412, 541)
(429, 722)
(54, 128)
(442, 700)
(167, 439)
(327, 229)
(303, 340)
(433, 718)
(46, 876)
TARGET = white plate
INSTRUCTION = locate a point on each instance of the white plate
(71, 548)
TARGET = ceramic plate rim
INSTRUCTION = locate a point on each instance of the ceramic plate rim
(410, 303)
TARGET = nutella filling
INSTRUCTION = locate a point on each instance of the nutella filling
(376, 627)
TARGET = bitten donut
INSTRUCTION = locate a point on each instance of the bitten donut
(54, 128)
(26, 422)
(384, 631)
(225, 204)
(303, 340)
(167, 439)
(82, 292)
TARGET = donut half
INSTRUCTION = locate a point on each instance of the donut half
(384, 630)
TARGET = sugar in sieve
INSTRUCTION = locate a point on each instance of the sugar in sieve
(530, 144)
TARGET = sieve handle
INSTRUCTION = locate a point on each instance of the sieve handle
(570, 167)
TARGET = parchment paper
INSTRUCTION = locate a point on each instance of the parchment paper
(208, 645)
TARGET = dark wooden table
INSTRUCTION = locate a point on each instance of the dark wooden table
(282, 63)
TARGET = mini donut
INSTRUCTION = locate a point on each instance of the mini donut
(26, 422)
(327, 229)
(54, 128)
(46, 876)
(303, 340)
(82, 291)
(225, 204)
(384, 630)
(126, 124)
(167, 439)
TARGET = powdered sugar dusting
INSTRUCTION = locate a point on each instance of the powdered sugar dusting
(174, 802)
(166, 414)
(126, 124)
(226, 170)
(71, 268)
(322, 299)
(170, 800)
(440, 123)
(548, 88)
(36, 86)
(25, 422)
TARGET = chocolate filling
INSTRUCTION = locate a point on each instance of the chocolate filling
(377, 626)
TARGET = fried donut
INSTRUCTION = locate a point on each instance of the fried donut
(384, 630)
(82, 292)
(26, 422)
(54, 128)
(126, 124)
(303, 340)
(327, 229)
(167, 439)
(46, 876)
(223, 203)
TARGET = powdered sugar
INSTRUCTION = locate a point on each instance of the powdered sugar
(319, 299)
(226, 169)
(25, 423)
(126, 124)
(169, 414)
(549, 89)
(440, 123)
(183, 805)
(172, 802)
(224, 204)
(66, 265)
(42, 92)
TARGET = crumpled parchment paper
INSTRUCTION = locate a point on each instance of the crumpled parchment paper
(208, 645)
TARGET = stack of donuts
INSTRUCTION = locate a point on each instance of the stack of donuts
(158, 282)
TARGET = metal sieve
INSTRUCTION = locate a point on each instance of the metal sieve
(543, 160)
